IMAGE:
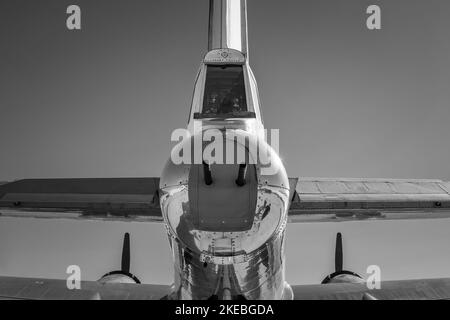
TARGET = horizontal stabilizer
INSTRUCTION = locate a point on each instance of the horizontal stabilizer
(116, 197)
(312, 199)
(328, 199)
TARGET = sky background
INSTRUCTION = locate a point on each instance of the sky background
(45, 248)
(103, 101)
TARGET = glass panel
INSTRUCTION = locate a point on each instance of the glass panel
(224, 93)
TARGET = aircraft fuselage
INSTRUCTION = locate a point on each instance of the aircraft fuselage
(225, 207)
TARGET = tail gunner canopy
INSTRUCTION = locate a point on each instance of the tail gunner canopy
(225, 94)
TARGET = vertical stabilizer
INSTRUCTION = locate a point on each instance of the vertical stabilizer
(228, 25)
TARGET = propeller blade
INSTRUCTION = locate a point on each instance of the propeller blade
(368, 296)
(126, 253)
(338, 256)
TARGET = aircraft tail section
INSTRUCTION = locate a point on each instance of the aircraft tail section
(228, 25)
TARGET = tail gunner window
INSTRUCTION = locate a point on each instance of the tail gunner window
(224, 93)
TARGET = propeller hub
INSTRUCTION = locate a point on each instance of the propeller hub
(123, 275)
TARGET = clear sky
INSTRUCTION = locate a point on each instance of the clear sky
(410, 249)
(102, 102)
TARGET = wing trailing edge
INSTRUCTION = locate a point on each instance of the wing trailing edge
(312, 199)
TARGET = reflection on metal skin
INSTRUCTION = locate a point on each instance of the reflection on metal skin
(227, 240)
(117, 277)
(226, 213)
(228, 25)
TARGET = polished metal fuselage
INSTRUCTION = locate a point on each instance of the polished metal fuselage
(258, 276)
(221, 263)
(213, 263)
